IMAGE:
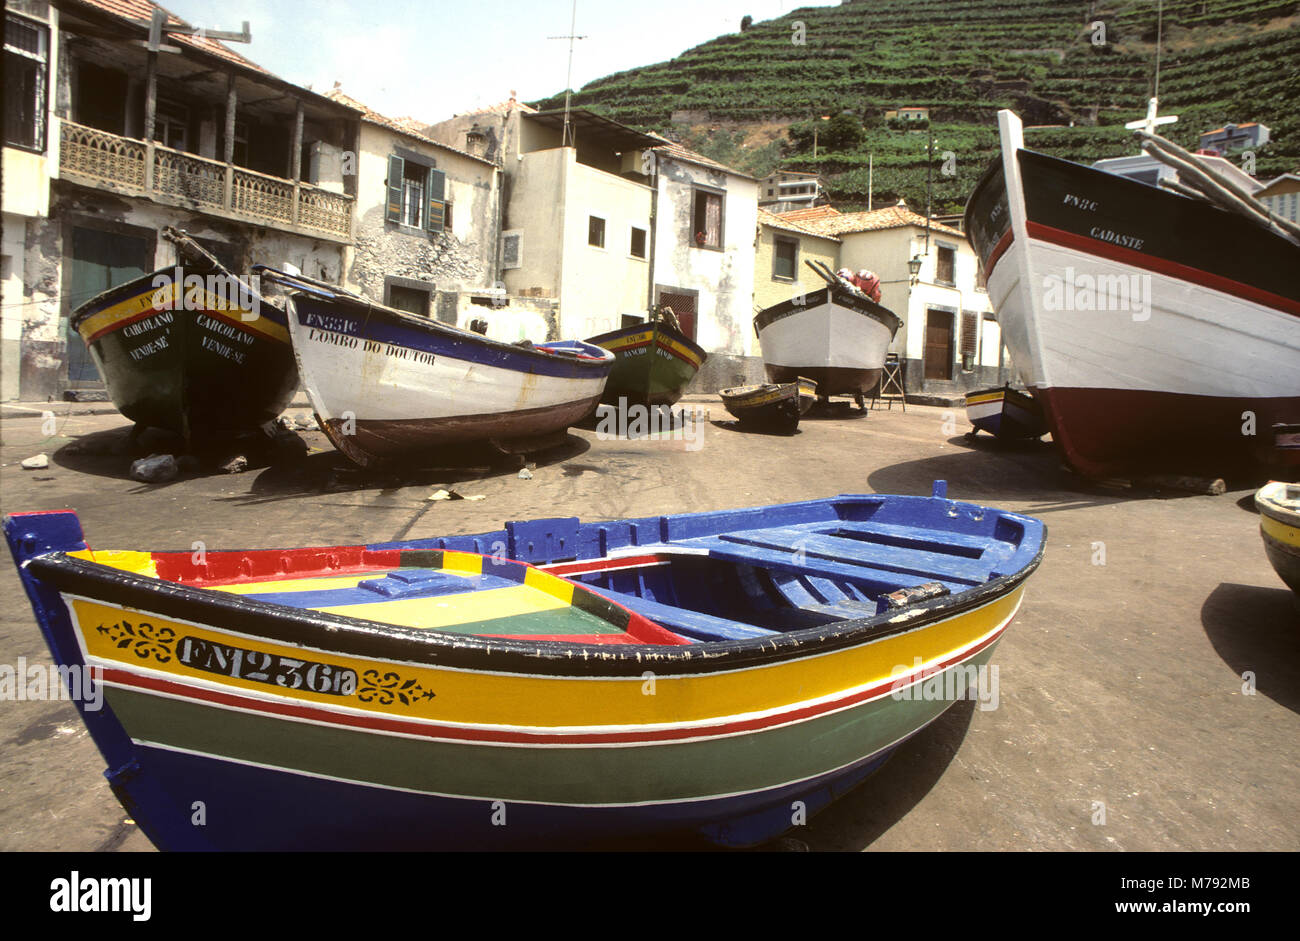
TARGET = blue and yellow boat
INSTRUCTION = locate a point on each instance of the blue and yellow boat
(1278, 503)
(553, 683)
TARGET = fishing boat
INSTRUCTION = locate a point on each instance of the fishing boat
(654, 362)
(552, 683)
(1005, 413)
(836, 336)
(1278, 503)
(1158, 330)
(191, 349)
(389, 386)
(772, 406)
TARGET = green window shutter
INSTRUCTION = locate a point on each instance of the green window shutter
(393, 212)
(437, 200)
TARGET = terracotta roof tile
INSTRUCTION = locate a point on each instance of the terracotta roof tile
(676, 151)
(786, 224)
(890, 217)
(143, 10)
(408, 126)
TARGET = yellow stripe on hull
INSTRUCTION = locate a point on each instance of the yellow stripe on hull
(1282, 532)
(528, 701)
(166, 298)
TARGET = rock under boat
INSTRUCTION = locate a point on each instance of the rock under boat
(718, 673)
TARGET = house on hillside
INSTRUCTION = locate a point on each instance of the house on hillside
(786, 190)
(609, 222)
(950, 341)
(427, 230)
(1230, 137)
(1147, 169)
(108, 140)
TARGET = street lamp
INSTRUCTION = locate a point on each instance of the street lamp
(914, 268)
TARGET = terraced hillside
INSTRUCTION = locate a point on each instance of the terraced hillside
(733, 97)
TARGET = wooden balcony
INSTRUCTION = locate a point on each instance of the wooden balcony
(96, 158)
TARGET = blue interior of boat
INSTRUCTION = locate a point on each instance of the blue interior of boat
(744, 574)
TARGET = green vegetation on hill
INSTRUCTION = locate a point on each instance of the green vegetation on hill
(1221, 61)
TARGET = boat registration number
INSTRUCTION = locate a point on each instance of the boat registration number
(272, 669)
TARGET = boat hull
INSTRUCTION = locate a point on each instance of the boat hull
(1005, 413)
(1148, 348)
(835, 338)
(1279, 527)
(777, 407)
(389, 387)
(189, 361)
(345, 735)
(653, 363)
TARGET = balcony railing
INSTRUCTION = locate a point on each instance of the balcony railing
(97, 158)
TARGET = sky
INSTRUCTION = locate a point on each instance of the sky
(435, 58)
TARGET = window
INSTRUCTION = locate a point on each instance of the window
(945, 265)
(511, 249)
(416, 193)
(26, 59)
(706, 220)
(596, 231)
(638, 243)
(969, 339)
(785, 259)
(446, 217)
(410, 296)
(171, 124)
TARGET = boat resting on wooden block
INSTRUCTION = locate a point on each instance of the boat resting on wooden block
(192, 350)
(773, 406)
(1278, 503)
(590, 681)
(1005, 413)
(390, 386)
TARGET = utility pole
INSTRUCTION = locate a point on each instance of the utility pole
(929, 187)
(566, 139)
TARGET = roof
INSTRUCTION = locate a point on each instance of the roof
(1277, 181)
(812, 213)
(405, 126)
(891, 217)
(772, 220)
(143, 10)
(676, 151)
(620, 136)
(1220, 130)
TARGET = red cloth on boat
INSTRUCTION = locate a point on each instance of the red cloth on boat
(865, 281)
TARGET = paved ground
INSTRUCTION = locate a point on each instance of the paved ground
(1121, 684)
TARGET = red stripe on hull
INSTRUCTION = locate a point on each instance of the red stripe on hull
(1173, 269)
(426, 730)
(1102, 432)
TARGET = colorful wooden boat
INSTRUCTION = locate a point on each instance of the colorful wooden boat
(722, 673)
(773, 406)
(837, 337)
(1005, 413)
(654, 363)
(389, 386)
(1278, 503)
(1154, 329)
(190, 349)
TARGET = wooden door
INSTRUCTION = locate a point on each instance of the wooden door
(683, 306)
(938, 344)
(97, 261)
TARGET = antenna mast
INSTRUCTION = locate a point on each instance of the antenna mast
(566, 140)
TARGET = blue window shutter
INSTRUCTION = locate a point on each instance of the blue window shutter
(437, 200)
(396, 167)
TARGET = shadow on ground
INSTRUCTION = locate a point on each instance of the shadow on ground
(738, 428)
(1257, 630)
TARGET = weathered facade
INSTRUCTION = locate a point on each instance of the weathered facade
(121, 130)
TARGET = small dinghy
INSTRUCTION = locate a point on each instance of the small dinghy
(578, 682)
(771, 407)
(190, 349)
(390, 386)
(1005, 413)
(1278, 503)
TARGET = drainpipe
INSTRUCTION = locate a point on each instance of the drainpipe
(654, 226)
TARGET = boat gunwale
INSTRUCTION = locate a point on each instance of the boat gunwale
(429, 326)
(126, 289)
(675, 335)
(859, 305)
(348, 636)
